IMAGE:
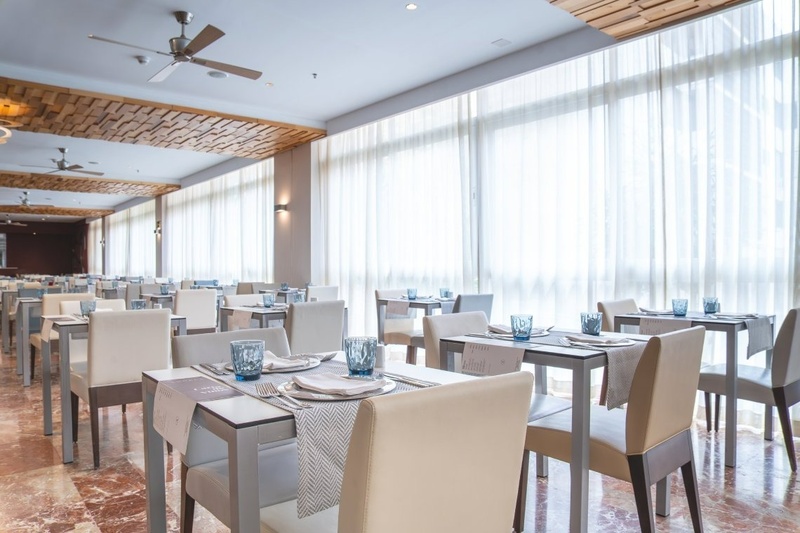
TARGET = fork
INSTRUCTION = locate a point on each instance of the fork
(268, 390)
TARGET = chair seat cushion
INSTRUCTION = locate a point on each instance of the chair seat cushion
(282, 518)
(552, 436)
(208, 483)
(401, 337)
(36, 341)
(543, 405)
(755, 383)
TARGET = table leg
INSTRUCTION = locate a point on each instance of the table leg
(223, 319)
(243, 466)
(5, 325)
(18, 334)
(47, 396)
(540, 371)
(153, 466)
(731, 393)
(447, 359)
(66, 404)
(768, 429)
(662, 497)
(24, 341)
(182, 327)
(579, 454)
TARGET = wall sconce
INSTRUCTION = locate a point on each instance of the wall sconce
(157, 231)
(281, 208)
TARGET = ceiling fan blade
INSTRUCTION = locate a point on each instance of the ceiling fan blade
(162, 74)
(112, 41)
(231, 69)
(53, 171)
(204, 38)
(89, 172)
(73, 167)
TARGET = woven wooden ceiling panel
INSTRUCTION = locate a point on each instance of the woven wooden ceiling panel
(48, 210)
(626, 18)
(49, 182)
(73, 113)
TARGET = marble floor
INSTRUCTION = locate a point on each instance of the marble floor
(39, 493)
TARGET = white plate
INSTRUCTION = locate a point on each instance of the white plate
(603, 345)
(311, 362)
(290, 388)
(510, 337)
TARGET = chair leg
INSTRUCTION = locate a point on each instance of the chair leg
(411, 355)
(33, 360)
(74, 405)
(522, 493)
(692, 494)
(187, 503)
(124, 408)
(716, 412)
(95, 424)
(640, 479)
(707, 396)
(786, 424)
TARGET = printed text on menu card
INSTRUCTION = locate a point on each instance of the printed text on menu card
(490, 360)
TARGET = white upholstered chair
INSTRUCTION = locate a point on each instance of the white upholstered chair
(778, 386)
(133, 291)
(610, 309)
(122, 345)
(437, 327)
(645, 442)
(388, 490)
(199, 306)
(322, 293)
(204, 468)
(315, 326)
(234, 300)
(474, 302)
(398, 329)
(51, 305)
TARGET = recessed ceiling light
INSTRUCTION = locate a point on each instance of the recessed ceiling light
(94, 162)
(217, 74)
(411, 7)
(269, 84)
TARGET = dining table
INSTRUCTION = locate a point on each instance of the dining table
(257, 312)
(427, 304)
(69, 326)
(731, 325)
(244, 422)
(551, 350)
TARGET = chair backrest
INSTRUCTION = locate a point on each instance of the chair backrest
(474, 302)
(188, 350)
(664, 388)
(123, 344)
(244, 287)
(133, 291)
(612, 308)
(51, 303)
(198, 306)
(322, 293)
(233, 300)
(786, 353)
(186, 284)
(149, 288)
(73, 307)
(315, 326)
(28, 292)
(389, 322)
(473, 435)
(437, 327)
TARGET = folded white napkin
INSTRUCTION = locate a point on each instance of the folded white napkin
(656, 311)
(591, 339)
(273, 362)
(500, 328)
(329, 383)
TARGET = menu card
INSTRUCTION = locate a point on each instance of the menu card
(174, 405)
(480, 359)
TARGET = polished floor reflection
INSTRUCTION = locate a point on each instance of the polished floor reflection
(38, 493)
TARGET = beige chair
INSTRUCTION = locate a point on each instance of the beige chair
(398, 329)
(186, 284)
(233, 300)
(645, 442)
(610, 309)
(474, 302)
(200, 309)
(245, 287)
(122, 345)
(149, 288)
(204, 468)
(778, 386)
(133, 291)
(322, 293)
(51, 305)
(314, 327)
(437, 327)
(465, 481)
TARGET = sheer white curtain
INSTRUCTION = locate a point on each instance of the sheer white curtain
(131, 242)
(94, 249)
(396, 206)
(664, 167)
(222, 228)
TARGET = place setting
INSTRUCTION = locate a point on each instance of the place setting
(521, 330)
(590, 336)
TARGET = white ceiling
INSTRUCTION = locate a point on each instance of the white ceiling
(362, 51)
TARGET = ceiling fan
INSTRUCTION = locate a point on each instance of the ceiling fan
(25, 201)
(62, 165)
(183, 50)
(9, 222)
